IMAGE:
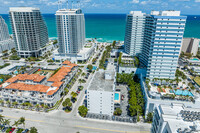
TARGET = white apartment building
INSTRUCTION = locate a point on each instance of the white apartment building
(134, 36)
(4, 34)
(29, 31)
(70, 30)
(100, 93)
(190, 45)
(163, 38)
(176, 118)
(37, 89)
(5, 42)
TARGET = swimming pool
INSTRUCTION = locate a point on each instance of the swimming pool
(116, 96)
(94, 68)
(183, 92)
(195, 59)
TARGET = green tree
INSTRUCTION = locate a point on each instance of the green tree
(37, 106)
(82, 110)
(33, 130)
(73, 94)
(136, 61)
(118, 111)
(6, 122)
(149, 117)
(16, 123)
(113, 44)
(1, 118)
(83, 74)
(15, 104)
(22, 121)
(90, 67)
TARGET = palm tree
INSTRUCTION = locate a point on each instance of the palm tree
(8, 103)
(6, 122)
(45, 108)
(37, 107)
(30, 106)
(83, 74)
(2, 102)
(80, 81)
(33, 130)
(1, 118)
(15, 104)
(16, 123)
(22, 121)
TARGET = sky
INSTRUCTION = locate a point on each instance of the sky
(188, 7)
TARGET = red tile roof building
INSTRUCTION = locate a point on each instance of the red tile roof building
(37, 84)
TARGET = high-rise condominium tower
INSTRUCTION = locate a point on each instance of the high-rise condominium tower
(162, 43)
(6, 43)
(135, 24)
(70, 30)
(4, 34)
(29, 31)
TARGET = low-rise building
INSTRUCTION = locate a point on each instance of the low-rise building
(82, 56)
(37, 89)
(100, 93)
(12, 68)
(176, 118)
(190, 45)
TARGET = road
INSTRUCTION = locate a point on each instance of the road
(60, 122)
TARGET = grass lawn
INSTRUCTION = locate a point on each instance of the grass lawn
(197, 80)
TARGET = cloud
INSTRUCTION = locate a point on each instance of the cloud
(6, 2)
(135, 1)
(21, 2)
(150, 2)
(52, 3)
(197, 0)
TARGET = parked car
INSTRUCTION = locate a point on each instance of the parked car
(1, 110)
(25, 131)
(12, 129)
(4, 129)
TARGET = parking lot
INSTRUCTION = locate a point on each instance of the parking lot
(124, 103)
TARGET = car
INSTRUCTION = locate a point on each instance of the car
(25, 131)
(1, 110)
(12, 129)
(4, 129)
(77, 91)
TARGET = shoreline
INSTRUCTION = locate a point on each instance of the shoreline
(98, 39)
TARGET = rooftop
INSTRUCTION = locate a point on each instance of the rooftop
(9, 69)
(174, 117)
(16, 84)
(23, 9)
(23, 77)
(166, 13)
(69, 12)
(99, 83)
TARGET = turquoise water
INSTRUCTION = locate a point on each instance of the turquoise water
(94, 68)
(108, 27)
(194, 59)
(116, 96)
(183, 92)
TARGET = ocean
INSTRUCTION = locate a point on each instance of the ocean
(109, 27)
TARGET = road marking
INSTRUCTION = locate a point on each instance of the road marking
(112, 130)
(25, 119)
